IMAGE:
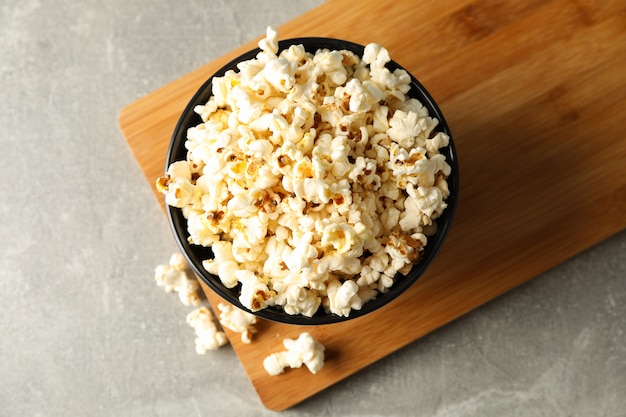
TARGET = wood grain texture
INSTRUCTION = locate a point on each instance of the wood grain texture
(535, 95)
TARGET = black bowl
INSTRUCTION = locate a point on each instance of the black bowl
(196, 254)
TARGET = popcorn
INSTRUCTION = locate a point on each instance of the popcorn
(303, 350)
(312, 177)
(341, 236)
(343, 297)
(302, 254)
(176, 185)
(269, 44)
(423, 202)
(255, 294)
(200, 227)
(297, 300)
(237, 320)
(209, 337)
(404, 127)
(173, 277)
(329, 63)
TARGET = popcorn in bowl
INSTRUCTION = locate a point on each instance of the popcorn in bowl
(314, 178)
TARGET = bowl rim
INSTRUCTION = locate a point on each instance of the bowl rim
(178, 224)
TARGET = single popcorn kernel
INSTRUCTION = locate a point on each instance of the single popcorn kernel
(208, 335)
(304, 350)
(162, 183)
(314, 178)
(174, 277)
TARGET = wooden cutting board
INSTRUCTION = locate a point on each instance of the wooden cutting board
(535, 95)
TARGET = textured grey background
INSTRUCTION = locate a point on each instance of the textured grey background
(84, 331)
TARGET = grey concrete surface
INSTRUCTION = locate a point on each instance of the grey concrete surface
(84, 331)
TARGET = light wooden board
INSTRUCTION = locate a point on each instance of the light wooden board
(535, 95)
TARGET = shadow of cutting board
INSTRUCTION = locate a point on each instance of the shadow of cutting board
(535, 95)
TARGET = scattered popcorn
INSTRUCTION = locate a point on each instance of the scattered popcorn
(173, 277)
(313, 177)
(303, 350)
(209, 337)
(237, 320)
